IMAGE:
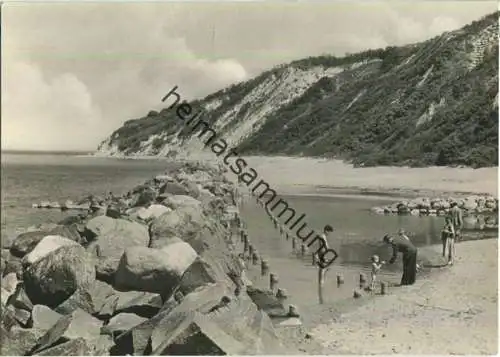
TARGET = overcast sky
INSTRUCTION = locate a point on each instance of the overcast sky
(74, 72)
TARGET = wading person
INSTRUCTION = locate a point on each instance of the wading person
(319, 259)
(401, 245)
(457, 219)
(376, 266)
(448, 239)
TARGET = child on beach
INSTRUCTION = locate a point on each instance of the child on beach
(376, 266)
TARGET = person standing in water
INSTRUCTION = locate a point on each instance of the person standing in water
(448, 239)
(457, 219)
(376, 266)
(322, 250)
(405, 246)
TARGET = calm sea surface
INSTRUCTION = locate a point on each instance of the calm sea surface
(29, 178)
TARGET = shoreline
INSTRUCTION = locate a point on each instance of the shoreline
(315, 315)
(429, 317)
(292, 176)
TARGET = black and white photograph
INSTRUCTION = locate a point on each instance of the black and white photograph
(249, 177)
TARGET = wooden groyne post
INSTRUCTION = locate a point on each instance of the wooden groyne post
(362, 279)
(273, 281)
(251, 250)
(292, 311)
(383, 287)
(340, 279)
(303, 249)
(321, 283)
(314, 259)
(246, 245)
(255, 258)
(281, 295)
(264, 267)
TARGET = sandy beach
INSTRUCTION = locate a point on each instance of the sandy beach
(308, 175)
(452, 311)
(311, 176)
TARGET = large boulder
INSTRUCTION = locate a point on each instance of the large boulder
(154, 270)
(152, 212)
(19, 341)
(8, 286)
(200, 273)
(114, 235)
(79, 324)
(174, 188)
(140, 303)
(26, 242)
(143, 304)
(122, 323)
(77, 347)
(440, 204)
(491, 203)
(163, 178)
(80, 299)
(137, 341)
(223, 325)
(55, 269)
(106, 267)
(469, 204)
(43, 317)
(190, 333)
(70, 231)
(46, 246)
(20, 316)
(12, 264)
(145, 197)
(422, 203)
(21, 300)
(176, 201)
(266, 300)
(182, 223)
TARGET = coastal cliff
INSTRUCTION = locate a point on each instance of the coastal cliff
(424, 104)
(155, 271)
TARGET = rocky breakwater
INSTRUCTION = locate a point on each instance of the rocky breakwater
(152, 272)
(471, 205)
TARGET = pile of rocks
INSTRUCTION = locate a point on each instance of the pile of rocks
(440, 206)
(151, 272)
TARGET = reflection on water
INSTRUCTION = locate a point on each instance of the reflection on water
(358, 232)
(358, 235)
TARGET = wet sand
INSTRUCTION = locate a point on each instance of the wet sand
(451, 311)
(448, 310)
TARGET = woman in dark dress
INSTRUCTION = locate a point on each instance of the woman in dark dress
(409, 251)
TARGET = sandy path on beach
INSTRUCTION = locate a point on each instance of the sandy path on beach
(453, 312)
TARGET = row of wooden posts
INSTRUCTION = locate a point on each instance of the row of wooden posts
(252, 254)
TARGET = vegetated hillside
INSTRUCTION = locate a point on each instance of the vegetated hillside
(431, 103)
